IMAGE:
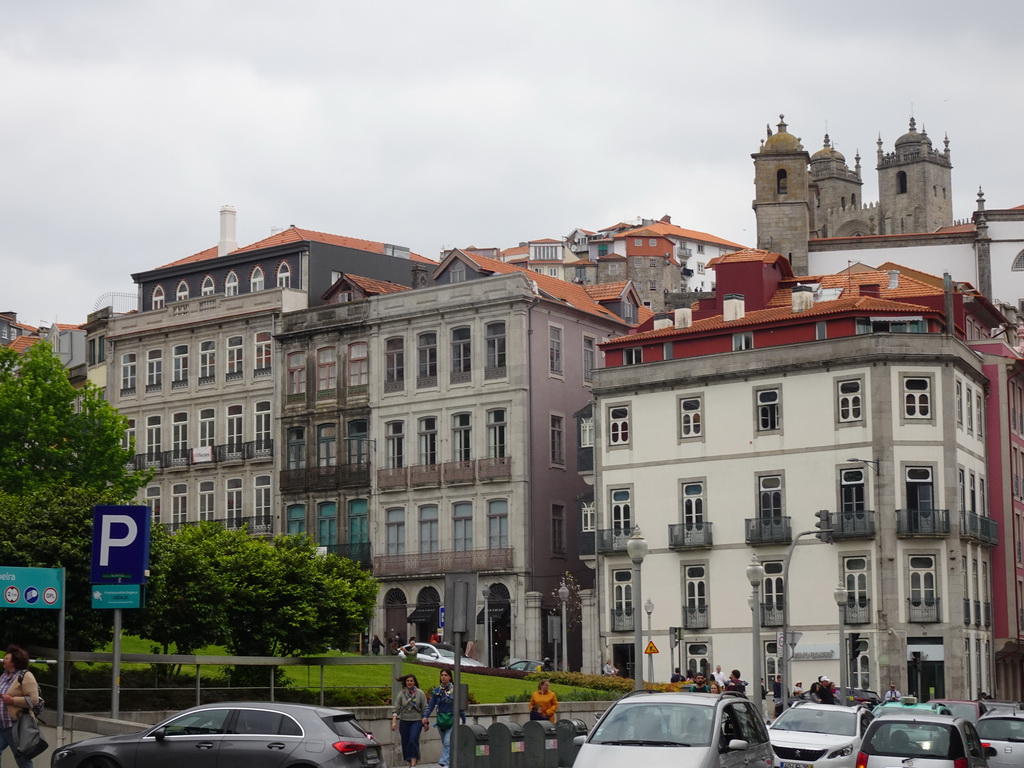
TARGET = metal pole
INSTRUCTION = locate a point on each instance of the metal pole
(115, 692)
(638, 631)
(755, 643)
(650, 638)
(842, 660)
(565, 653)
(787, 649)
(487, 625)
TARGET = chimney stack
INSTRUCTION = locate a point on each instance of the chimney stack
(803, 298)
(894, 279)
(684, 317)
(227, 243)
(662, 320)
(733, 307)
(871, 289)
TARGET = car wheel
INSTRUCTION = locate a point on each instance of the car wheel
(98, 762)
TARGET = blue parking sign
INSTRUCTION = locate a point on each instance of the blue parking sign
(120, 544)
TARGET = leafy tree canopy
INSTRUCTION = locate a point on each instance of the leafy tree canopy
(54, 434)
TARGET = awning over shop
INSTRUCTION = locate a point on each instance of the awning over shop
(423, 613)
(498, 612)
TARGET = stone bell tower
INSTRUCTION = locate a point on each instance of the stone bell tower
(781, 203)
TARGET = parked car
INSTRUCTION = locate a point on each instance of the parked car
(910, 704)
(995, 705)
(1003, 733)
(698, 730)
(253, 734)
(818, 735)
(969, 710)
(863, 697)
(921, 740)
(439, 653)
(525, 665)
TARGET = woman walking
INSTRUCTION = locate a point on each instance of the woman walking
(19, 691)
(543, 702)
(442, 698)
(407, 717)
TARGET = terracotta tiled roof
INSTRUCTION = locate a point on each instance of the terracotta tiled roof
(545, 241)
(67, 326)
(519, 250)
(22, 343)
(851, 284)
(571, 294)
(605, 291)
(753, 254)
(643, 314)
(957, 228)
(664, 228)
(370, 286)
(297, 235)
(24, 327)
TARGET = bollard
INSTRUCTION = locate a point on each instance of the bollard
(566, 731)
(541, 744)
(473, 746)
(507, 745)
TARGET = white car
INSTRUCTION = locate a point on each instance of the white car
(439, 653)
(818, 735)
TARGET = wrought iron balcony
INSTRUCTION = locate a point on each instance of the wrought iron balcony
(622, 620)
(358, 552)
(859, 524)
(229, 452)
(768, 530)
(417, 564)
(979, 527)
(459, 472)
(613, 539)
(392, 478)
(857, 612)
(923, 610)
(696, 616)
(495, 468)
(425, 475)
(986, 614)
(922, 522)
(179, 457)
(771, 613)
(587, 543)
(967, 610)
(689, 535)
(977, 613)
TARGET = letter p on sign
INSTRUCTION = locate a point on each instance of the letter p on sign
(120, 545)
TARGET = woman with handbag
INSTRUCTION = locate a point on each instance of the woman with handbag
(19, 692)
(407, 717)
(543, 702)
(443, 699)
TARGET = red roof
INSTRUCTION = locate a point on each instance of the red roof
(22, 343)
(663, 228)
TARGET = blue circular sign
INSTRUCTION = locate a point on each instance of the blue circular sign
(31, 595)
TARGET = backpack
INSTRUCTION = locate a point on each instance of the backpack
(40, 705)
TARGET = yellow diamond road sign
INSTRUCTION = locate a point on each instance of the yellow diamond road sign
(651, 647)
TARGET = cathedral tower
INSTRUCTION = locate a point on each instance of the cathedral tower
(781, 203)
(915, 191)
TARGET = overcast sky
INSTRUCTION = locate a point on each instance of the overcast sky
(128, 124)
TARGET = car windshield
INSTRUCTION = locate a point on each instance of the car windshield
(966, 710)
(896, 737)
(345, 726)
(1001, 728)
(817, 721)
(656, 723)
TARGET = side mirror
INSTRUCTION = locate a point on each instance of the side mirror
(991, 752)
(577, 741)
(159, 733)
(736, 745)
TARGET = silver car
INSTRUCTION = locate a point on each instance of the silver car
(439, 653)
(921, 740)
(249, 734)
(1002, 736)
(696, 730)
(818, 735)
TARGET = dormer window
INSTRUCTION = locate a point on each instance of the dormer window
(231, 284)
(284, 275)
(158, 297)
(457, 273)
(181, 293)
(256, 281)
(208, 287)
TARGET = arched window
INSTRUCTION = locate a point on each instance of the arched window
(256, 281)
(1018, 263)
(901, 183)
(853, 201)
(231, 284)
(181, 294)
(842, 202)
(208, 286)
(158, 297)
(284, 275)
(781, 182)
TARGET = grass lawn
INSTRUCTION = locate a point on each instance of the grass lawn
(486, 689)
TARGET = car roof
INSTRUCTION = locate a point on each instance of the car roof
(815, 705)
(682, 697)
(282, 706)
(921, 717)
(954, 701)
(1002, 714)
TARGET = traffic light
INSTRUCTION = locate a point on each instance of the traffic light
(824, 525)
(673, 636)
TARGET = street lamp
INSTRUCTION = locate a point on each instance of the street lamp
(841, 595)
(637, 548)
(487, 626)
(649, 607)
(563, 595)
(755, 575)
(873, 463)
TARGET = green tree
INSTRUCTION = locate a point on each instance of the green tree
(52, 434)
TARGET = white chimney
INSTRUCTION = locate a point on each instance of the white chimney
(684, 317)
(227, 243)
(662, 320)
(733, 307)
(894, 279)
(803, 298)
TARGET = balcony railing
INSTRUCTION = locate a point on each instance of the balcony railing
(854, 525)
(689, 535)
(260, 525)
(979, 527)
(185, 457)
(613, 539)
(923, 610)
(587, 543)
(392, 478)
(967, 610)
(459, 472)
(425, 475)
(416, 564)
(359, 552)
(325, 478)
(696, 616)
(622, 620)
(986, 617)
(495, 468)
(771, 614)
(229, 452)
(922, 522)
(857, 612)
(768, 530)
(293, 479)
(977, 613)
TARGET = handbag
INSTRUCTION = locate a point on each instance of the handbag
(28, 741)
(536, 715)
(445, 720)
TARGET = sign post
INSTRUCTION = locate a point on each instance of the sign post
(120, 556)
